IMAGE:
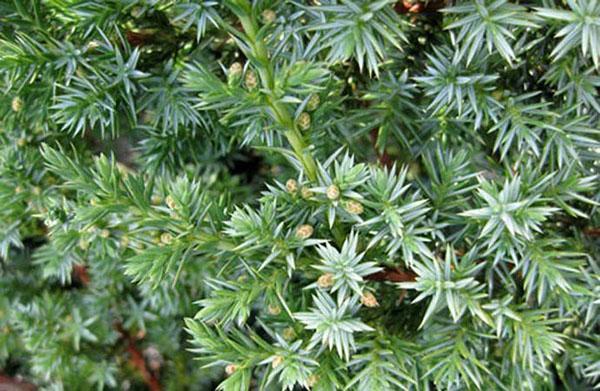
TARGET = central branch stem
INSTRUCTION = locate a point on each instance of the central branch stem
(280, 110)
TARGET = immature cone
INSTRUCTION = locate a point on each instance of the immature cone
(105, 233)
(166, 238)
(235, 69)
(250, 79)
(269, 16)
(277, 361)
(313, 102)
(497, 94)
(170, 202)
(333, 192)
(21, 142)
(93, 45)
(288, 333)
(141, 334)
(354, 207)
(304, 121)
(306, 193)
(413, 171)
(369, 300)
(16, 104)
(291, 185)
(325, 281)
(230, 369)
(304, 231)
(84, 244)
(155, 199)
(124, 241)
(274, 309)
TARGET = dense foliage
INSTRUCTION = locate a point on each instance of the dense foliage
(277, 194)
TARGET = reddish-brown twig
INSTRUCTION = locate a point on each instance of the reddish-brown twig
(80, 274)
(8, 383)
(417, 7)
(392, 275)
(137, 359)
(592, 231)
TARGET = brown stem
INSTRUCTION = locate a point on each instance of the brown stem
(137, 360)
(392, 275)
(417, 7)
(592, 231)
(81, 275)
(140, 38)
(8, 383)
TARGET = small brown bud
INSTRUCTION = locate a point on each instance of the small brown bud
(36, 190)
(304, 121)
(93, 45)
(312, 380)
(155, 199)
(354, 207)
(84, 244)
(136, 12)
(274, 309)
(333, 192)
(170, 202)
(304, 231)
(313, 102)
(16, 104)
(105, 233)
(166, 238)
(288, 333)
(269, 16)
(306, 193)
(325, 281)
(235, 69)
(277, 361)
(250, 79)
(497, 94)
(413, 171)
(369, 300)
(291, 185)
(230, 369)
(124, 241)
(21, 142)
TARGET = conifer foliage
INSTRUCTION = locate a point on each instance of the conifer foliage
(275, 194)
